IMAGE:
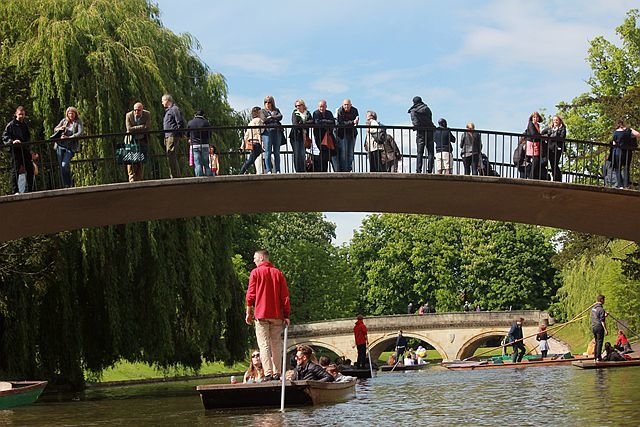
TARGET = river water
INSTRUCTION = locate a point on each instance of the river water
(555, 396)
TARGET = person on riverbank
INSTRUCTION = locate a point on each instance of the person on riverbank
(360, 335)
(622, 343)
(598, 326)
(306, 369)
(543, 338)
(269, 306)
(516, 338)
(255, 373)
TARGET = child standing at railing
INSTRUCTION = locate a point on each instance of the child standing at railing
(214, 160)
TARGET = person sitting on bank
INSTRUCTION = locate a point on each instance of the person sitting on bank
(306, 369)
(255, 373)
(622, 344)
(611, 354)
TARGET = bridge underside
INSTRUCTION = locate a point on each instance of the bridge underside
(568, 206)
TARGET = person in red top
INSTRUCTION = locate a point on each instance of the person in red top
(360, 333)
(268, 304)
(622, 344)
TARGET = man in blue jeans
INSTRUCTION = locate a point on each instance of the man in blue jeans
(516, 338)
(199, 143)
(348, 119)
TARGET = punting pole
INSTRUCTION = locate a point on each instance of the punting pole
(370, 364)
(284, 368)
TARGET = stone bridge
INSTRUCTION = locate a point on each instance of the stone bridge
(452, 335)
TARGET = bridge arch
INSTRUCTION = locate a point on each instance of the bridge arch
(469, 347)
(563, 205)
(382, 344)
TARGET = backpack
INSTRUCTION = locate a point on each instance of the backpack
(520, 153)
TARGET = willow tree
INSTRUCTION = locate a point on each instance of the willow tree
(160, 292)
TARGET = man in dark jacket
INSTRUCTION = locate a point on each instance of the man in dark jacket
(15, 134)
(516, 338)
(422, 120)
(199, 140)
(171, 122)
(306, 369)
(598, 326)
(347, 116)
(401, 346)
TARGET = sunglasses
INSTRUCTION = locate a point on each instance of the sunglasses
(255, 355)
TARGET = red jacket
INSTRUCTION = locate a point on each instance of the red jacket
(360, 332)
(268, 293)
(622, 340)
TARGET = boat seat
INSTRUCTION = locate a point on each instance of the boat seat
(4, 385)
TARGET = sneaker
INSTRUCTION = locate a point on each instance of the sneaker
(267, 378)
(275, 377)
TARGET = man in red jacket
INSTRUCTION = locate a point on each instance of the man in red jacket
(360, 334)
(268, 304)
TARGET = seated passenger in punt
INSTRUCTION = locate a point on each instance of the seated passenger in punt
(306, 369)
(391, 361)
(611, 354)
(332, 370)
(255, 373)
(622, 344)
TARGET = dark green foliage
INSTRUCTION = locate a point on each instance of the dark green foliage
(412, 258)
(164, 293)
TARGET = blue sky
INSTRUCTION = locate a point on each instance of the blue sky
(490, 62)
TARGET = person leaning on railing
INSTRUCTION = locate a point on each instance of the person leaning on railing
(138, 123)
(70, 127)
(299, 135)
(15, 135)
(471, 147)
(171, 122)
(252, 143)
(535, 147)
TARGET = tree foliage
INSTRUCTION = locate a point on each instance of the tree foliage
(319, 278)
(411, 258)
(165, 293)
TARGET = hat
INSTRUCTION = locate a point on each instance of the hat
(417, 100)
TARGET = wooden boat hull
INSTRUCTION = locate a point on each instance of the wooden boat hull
(400, 368)
(592, 364)
(22, 393)
(297, 393)
(356, 372)
(471, 366)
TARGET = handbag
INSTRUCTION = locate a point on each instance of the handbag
(307, 140)
(131, 154)
(328, 141)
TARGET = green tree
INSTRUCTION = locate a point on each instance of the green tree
(411, 258)
(165, 293)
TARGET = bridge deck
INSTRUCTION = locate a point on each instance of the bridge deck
(588, 209)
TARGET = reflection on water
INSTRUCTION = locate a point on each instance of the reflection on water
(559, 396)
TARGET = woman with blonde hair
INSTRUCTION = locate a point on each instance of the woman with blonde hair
(471, 147)
(69, 128)
(272, 134)
(299, 136)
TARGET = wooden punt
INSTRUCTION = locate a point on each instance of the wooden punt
(592, 364)
(488, 364)
(20, 393)
(297, 393)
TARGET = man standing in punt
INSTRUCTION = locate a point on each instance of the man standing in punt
(598, 326)
(269, 306)
(360, 334)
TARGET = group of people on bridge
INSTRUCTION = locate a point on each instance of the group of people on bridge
(318, 139)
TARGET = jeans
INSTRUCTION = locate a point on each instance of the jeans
(298, 154)
(346, 157)
(255, 154)
(598, 334)
(201, 159)
(271, 141)
(518, 352)
(21, 162)
(64, 159)
(623, 163)
(471, 164)
(424, 139)
(268, 333)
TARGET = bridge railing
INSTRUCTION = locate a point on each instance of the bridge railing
(98, 160)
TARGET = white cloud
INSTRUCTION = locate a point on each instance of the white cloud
(255, 63)
(330, 85)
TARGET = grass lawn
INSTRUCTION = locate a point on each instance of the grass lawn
(126, 371)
